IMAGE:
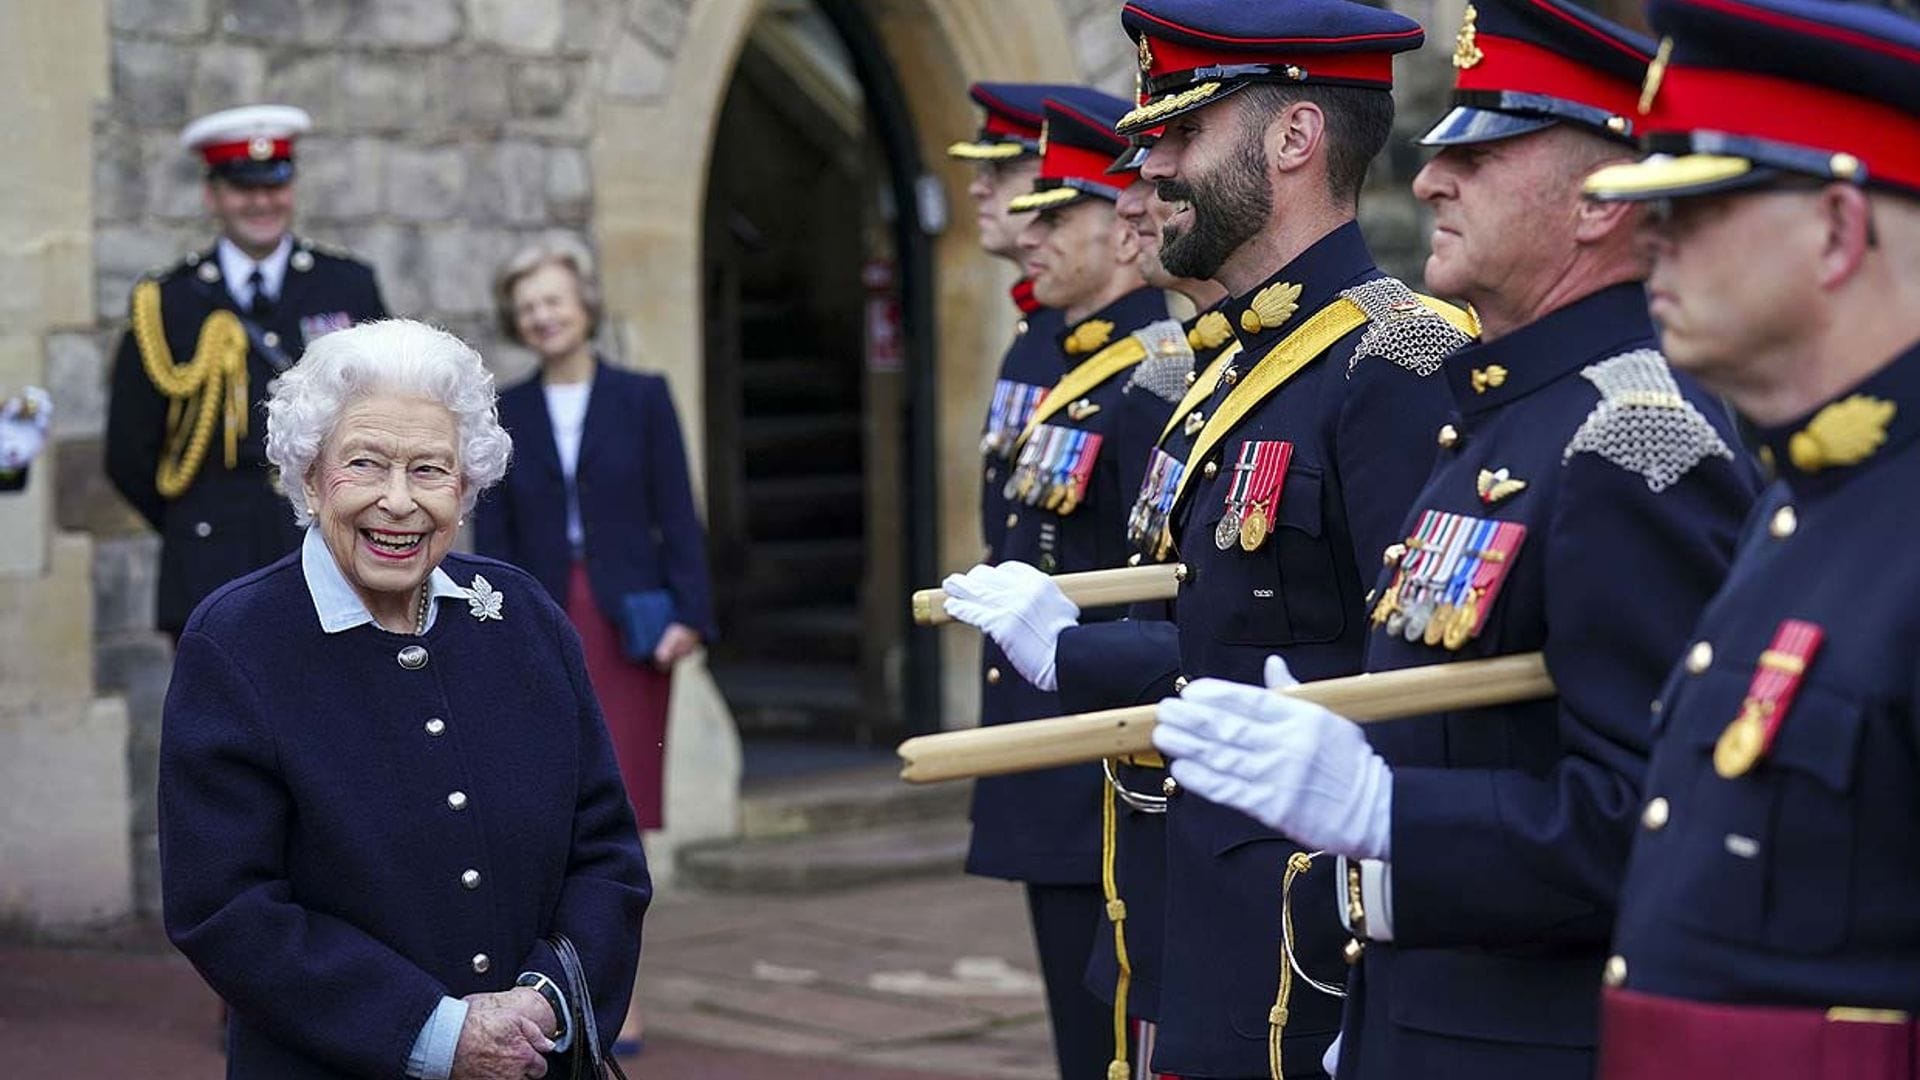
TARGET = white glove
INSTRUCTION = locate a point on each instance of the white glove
(1330, 1061)
(1292, 765)
(23, 427)
(1020, 608)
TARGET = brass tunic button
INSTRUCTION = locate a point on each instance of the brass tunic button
(1784, 522)
(1192, 377)
(202, 530)
(1699, 658)
(1210, 470)
(1169, 787)
(1020, 327)
(1393, 554)
(1012, 520)
(436, 726)
(1449, 436)
(272, 339)
(1654, 817)
(1353, 951)
(457, 800)
(1616, 972)
(993, 676)
(470, 879)
(1179, 683)
(481, 963)
(1182, 573)
(413, 657)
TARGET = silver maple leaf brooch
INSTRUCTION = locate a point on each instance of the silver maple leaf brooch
(483, 600)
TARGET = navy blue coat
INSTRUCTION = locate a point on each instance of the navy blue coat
(1797, 883)
(1361, 425)
(1044, 827)
(636, 501)
(229, 520)
(1140, 836)
(1511, 825)
(311, 859)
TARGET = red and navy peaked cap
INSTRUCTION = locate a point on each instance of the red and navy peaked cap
(1193, 53)
(1011, 129)
(1522, 65)
(1747, 92)
(1077, 147)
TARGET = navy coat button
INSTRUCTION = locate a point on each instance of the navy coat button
(470, 880)
(202, 530)
(481, 963)
(457, 800)
(413, 657)
(436, 726)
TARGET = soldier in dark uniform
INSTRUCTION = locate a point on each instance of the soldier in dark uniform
(1174, 352)
(1074, 468)
(1584, 504)
(1305, 455)
(185, 434)
(1769, 923)
(1006, 159)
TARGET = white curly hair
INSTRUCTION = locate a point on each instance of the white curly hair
(392, 356)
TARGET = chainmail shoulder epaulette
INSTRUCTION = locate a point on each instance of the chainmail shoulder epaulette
(1642, 423)
(1169, 359)
(1401, 329)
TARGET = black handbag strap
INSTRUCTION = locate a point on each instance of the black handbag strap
(587, 1059)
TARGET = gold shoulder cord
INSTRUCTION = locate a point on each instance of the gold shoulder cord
(195, 391)
(1298, 863)
(1117, 1068)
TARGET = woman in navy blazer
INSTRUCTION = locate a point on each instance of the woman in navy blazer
(598, 504)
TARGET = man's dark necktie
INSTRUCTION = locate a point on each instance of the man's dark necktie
(262, 308)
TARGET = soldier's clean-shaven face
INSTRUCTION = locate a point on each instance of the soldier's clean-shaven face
(254, 217)
(1070, 252)
(994, 184)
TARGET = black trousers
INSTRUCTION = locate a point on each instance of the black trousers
(1065, 920)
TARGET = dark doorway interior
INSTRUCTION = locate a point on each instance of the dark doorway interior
(807, 423)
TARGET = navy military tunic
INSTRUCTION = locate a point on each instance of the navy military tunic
(1359, 418)
(229, 520)
(1795, 881)
(1511, 824)
(1140, 834)
(1044, 827)
(1031, 365)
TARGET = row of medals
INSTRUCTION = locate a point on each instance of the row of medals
(1425, 620)
(1247, 526)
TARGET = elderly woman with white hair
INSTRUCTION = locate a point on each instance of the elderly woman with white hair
(392, 833)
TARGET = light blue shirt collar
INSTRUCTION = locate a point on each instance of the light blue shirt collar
(339, 607)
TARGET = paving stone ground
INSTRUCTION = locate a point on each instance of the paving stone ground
(924, 980)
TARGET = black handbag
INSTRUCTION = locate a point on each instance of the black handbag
(586, 1062)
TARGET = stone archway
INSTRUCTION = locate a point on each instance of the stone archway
(650, 155)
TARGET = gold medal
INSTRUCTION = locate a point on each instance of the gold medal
(1740, 745)
(1253, 528)
(1436, 628)
(1389, 603)
(1460, 626)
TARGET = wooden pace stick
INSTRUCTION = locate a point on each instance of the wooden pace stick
(1365, 699)
(1091, 588)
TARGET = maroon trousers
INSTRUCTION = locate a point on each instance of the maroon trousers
(633, 698)
(1647, 1037)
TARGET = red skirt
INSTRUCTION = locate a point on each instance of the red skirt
(633, 697)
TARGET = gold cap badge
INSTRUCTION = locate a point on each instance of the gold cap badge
(1466, 52)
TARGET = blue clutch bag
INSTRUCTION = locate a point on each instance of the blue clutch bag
(644, 618)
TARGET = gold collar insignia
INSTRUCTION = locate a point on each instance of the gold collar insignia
(1088, 336)
(1495, 485)
(1491, 377)
(1846, 432)
(1211, 332)
(1270, 308)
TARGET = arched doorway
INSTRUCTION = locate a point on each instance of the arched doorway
(651, 155)
(817, 276)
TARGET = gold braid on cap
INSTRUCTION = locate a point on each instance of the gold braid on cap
(195, 391)
(1154, 110)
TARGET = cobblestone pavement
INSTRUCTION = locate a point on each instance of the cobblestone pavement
(926, 980)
